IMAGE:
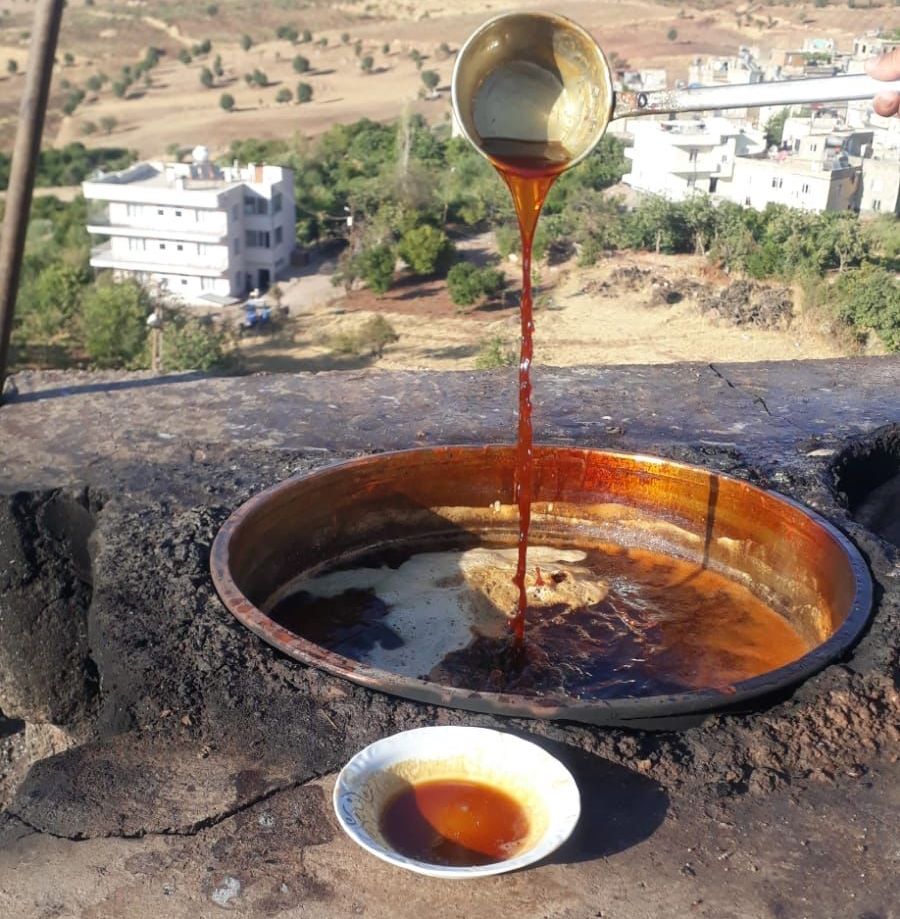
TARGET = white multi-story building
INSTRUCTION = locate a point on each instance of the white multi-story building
(194, 231)
(810, 185)
(880, 192)
(678, 158)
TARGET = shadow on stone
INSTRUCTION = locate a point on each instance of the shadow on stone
(868, 475)
(619, 808)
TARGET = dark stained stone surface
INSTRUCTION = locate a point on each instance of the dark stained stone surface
(162, 462)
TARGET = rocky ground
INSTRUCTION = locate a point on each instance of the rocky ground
(200, 761)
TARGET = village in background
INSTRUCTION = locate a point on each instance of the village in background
(296, 196)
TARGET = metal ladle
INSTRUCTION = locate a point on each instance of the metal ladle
(539, 77)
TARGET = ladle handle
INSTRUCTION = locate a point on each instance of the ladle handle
(748, 95)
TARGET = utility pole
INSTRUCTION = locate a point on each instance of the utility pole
(32, 109)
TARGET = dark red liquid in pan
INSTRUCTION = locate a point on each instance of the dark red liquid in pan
(529, 170)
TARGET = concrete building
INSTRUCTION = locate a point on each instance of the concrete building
(194, 231)
(679, 158)
(809, 185)
(880, 193)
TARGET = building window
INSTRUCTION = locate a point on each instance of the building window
(258, 239)
(237, 245)
(159, 212)
(279, 235)
(876, 205)
(747, 201)
(276, 203)
(180, 248)
(162, 245)
(262, 206)
(184, 281)
(805, 188)
(249, 205)
(207, 283)
(137, 245)
(133, 210)
(177, 213)
(693, 156)
(813, 148)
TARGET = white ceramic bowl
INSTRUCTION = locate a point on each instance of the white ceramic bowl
(534, 778)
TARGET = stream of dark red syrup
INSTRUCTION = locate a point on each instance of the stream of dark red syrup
(529, 169)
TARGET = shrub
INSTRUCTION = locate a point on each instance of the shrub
(287, 33)
(114, 323)
(431, 79)
(226, 102)
(469, 284)
(300, 64)
(672, 34)
(184, 56)
(109, 123)
(869, 297)
(376, 334)
(426, 250)
(218, 69)
(304, 92)
(246, 42)
(376, 267)
(212, 9)
(306, 36)
(88, 128)
(74, 99)
(367, 63)
(259, 77)
(284, 95)
(494, 354)
(191, 344)
(206, 77)
(94, 83)
(345, 38)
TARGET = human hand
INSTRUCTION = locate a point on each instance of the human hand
(886, 67)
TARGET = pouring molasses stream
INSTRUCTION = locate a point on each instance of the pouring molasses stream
(533, 93)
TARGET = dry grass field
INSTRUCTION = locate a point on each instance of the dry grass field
(103, 35)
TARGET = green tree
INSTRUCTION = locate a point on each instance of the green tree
(672, 34)
(119, 89)
(212, 9)
(218, 69)
(431, 79)
(184, 56)
(869, 297)
(109, 123)
(345, 38)
(12, 67)
(468, 284)
(283, 95)
(306, 37)
(88, 128)
(68, 59)
(367, 64)
(207, 78)
(191, 344)
(376, 267)
(287, 33)
(426, 250)
(246, 42)
(260, 78)
(114, 323)
(300, 64)
(94, 83)
(304, 92)
(775, 128)
(226, 102)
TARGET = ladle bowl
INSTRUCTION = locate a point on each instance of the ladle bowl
(785, 555)
(542, 78)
